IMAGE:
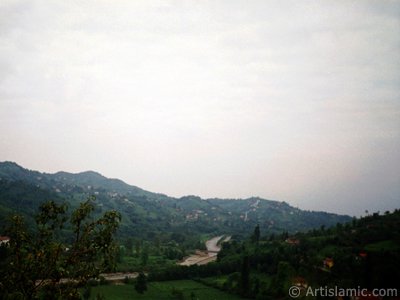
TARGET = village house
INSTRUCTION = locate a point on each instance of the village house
(328, 262)
(292, 241)
(4, 240)
(299, 282)
(363, 254)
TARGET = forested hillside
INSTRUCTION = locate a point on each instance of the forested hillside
(146, 214)
(274, 245)
(362, 254)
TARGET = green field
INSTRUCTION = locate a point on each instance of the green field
(162, 290)
(388, 245)
(131, 263)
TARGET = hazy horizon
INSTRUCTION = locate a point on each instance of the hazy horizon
(296, 101)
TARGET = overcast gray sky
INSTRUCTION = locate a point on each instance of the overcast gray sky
(297, 101)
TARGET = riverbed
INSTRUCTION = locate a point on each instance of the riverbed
(205, 257)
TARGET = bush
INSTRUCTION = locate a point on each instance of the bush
(177, 294)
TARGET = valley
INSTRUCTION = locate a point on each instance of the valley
(243, 248)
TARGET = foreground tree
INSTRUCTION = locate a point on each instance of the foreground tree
(244, 283)
(255, 238)
(141, 283)
(39, 264)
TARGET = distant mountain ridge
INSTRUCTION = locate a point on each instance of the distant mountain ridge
(144, 212)
(13, 171)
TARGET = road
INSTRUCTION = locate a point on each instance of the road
(118, 276)
(107, 276)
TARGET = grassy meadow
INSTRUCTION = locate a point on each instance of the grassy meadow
(184, 289)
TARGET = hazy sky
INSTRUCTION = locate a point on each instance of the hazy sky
(297, 101)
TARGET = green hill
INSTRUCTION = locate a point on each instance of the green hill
(146, 214)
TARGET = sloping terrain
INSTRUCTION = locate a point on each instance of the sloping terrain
(146, 214)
